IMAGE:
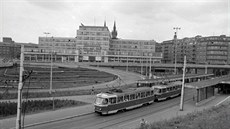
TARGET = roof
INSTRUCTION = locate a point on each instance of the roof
(126, 91)
(168, 85)
(173, 77)
(207, 83)
(225, 81)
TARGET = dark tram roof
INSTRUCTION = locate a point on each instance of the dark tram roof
(129, 90)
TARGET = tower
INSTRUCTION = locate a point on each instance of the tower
(104, 23)
(175, 36)
(114, 32)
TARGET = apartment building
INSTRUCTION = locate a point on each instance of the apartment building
(213, 50)
(198, 50)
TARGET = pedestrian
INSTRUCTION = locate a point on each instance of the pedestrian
(92, 91)
(143, 123)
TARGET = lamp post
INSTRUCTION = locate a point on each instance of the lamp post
(141, 59)
(51, 73)
(51, 68)
(175, 38)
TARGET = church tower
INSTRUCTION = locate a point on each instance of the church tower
(114, 32)
(104, 23)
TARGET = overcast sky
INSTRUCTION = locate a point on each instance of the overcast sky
(26, 20)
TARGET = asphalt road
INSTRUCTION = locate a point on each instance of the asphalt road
(95, 121)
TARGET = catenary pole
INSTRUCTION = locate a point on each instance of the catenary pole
(182, 89)
(20, 84)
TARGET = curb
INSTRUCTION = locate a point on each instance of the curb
(56, 120)
(222, 101)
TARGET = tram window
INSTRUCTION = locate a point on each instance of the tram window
(171, 88)
(112, 100)
(163, 90)
(138, 95)
(168, 89)
(152, 92)
(174, 87)
(142, 94)
(120, 99)
(160, 90)
(147, 93)
(126, 98)
(132, 96)
(105, 101)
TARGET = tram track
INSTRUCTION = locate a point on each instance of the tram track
(158, 108)
(95, 121)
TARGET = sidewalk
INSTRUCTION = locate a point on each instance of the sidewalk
(189, 107)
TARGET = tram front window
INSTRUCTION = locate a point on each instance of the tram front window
(101, 101)
(157, 91)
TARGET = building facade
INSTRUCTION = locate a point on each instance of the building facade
(94, 44)
(137, 51)
(10, 50)
(198, 50)
(63, 49)
(213, 50)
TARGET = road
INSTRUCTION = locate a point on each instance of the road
(125, 78)
(95, 121)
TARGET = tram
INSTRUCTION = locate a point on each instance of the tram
(159, 81)
(163, 92)
(116, 100)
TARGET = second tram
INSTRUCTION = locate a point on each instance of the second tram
(170, 90)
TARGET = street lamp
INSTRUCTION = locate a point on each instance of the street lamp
(51, 72)
(175, 38)
(51, 68)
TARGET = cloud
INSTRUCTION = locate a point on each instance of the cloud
(49, 4)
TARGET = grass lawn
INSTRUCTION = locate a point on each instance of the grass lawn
(35, 106)
(213, 118)
(62, 77)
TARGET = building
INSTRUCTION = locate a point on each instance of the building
(136, 51)
(213, 50)
(176, 49)
(198, 50)
(93, 43)
(63, 49)
(10, 50)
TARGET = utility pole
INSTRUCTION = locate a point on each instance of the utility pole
(175, 38)
(20, 84)
(182, 88)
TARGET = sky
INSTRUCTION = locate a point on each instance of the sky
(26, 20)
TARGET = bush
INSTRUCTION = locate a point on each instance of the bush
(31, 106)
(213, 118)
